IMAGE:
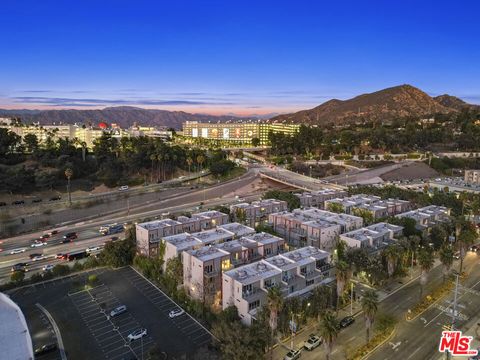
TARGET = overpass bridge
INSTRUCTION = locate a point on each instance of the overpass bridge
(298, 181)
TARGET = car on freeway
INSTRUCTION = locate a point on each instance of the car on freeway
(48, 267)
(69, 237)
(31, 256)
(38, 244)
(20, 267)
(44, 236)
(18, 202)
(17, 251)
(123, 188)
(92, 248)
(60, 256)
(137, 334)
(53, 232)
(38, 258)
(45, 349)
(346, 321)
(55, 198)
(118, 310)
(474, 248)
(293, 354)
(176, 312)
(312, 342)
(114, 238)
(35, 201)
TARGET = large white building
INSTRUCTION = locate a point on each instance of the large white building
(296, 273)
(373, 237)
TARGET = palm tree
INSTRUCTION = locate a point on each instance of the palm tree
(200, 161)
(343, 273)
(152, 158)
(369, 307)
(159, 159)
(69, 174)
(274, 304)
(328, 330)
(189, 162)
(446, 257)
(392, 253)
(467, 237)
(426, 260)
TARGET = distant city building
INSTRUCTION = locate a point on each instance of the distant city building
(318, 198)
(257, 211)
(238, 132)
(312, 226)
(373, 237)
(296, 273)
(472, 177)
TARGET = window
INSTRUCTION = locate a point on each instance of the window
(268, 251)
(209, 269)
(309, 282)
(253, 305)
(303, 270)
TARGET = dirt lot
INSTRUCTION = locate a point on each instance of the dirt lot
(411, 171)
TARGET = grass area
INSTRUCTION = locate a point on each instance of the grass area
(428, 300)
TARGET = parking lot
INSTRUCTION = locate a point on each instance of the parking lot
(88, 331)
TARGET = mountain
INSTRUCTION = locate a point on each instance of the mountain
(395, 102)
(124, 116)
(454, 102)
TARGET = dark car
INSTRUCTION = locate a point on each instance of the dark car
(474, 248)
(114, 238)
(346, 321)
(3, 203)
(70, 236)
(34, 255)
(45, 349)
(55, 198)
(18, 202)
(36, 201)
(20, 267)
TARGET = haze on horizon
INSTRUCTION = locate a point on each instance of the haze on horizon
(232, 57)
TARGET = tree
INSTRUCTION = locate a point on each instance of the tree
(438, 236)
(446, 257)
(426, 261)
(17, 277)
(69, 174)
(119, 253)
(392, 253)
(369, 307)
(189, 163)
(329, 328)
(467, 237)
(255, 142)
(292, 200)
(31, 142)
(335, 207)
(343, 274)
(274, 304)
(365, 214)
(221, 167)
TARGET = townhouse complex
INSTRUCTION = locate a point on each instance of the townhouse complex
(427, 216)
(149, 234)
(373, 237)
(318, 198)
(313, 227)
(377, 207)
(257, 211)
(203, 267)
(296, 273)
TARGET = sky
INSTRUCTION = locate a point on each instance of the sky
(232, 57)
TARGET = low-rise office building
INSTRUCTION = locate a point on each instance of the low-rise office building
(373, 237)
(318, 198)
(296, 273)
(257, 212)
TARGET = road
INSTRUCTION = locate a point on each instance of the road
(396, 303)
(87, 231)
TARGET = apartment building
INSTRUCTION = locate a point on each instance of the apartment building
(313, 227)
(257, 212)
(296, 273)
(374, 204)
(238, 229)
(150, 233)
(318, 198)
(427, 216)
(203, 267)
(373, 237)
(472, 177)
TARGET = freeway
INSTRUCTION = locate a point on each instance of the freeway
(396, 303)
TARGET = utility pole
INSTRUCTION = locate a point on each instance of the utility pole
(351, 298)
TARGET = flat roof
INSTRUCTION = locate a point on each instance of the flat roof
(183, 241)
(264, 238)
(253, 272)
(207, 253)
(238, 229)
(282, 262)
(158, 224)
(306, 255)
(213, 235)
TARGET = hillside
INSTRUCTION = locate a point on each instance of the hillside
(454, 102)
(395, 102)
(124, 116)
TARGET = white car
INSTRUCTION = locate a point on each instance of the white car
(312, 342)
(137, 334)
(38, 244)
(17, 251)
(92, 248)
(123, 188)
(118, 310)
(38, 258)
(48, 267)
(175, 313)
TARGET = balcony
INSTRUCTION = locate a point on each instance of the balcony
(210, 274)
(249, 293)
(324, 268)
(310, 274)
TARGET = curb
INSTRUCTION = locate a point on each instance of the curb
(381, 344)
(63, 355)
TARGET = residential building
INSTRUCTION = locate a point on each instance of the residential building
(150, 233)
(236, 132)
(472, 177)
(373, 237)
(257, 212)
(268, 244)
(318, 198)
(238, 229)
(296, 273)
(427, 216)
(313, 227)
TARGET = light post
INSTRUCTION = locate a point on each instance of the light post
(351, 298)
(69, 174)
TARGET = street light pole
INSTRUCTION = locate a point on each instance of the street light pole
(351, 299)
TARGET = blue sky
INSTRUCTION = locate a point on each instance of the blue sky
(232, 56)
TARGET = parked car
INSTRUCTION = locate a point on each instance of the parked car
(176, 312)
(48, 267)
(293, 354)
(137, 334)
(45, 349)
(346, 321)
(312, 342)
(118, 310)
(123, 188)
(17, 251)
